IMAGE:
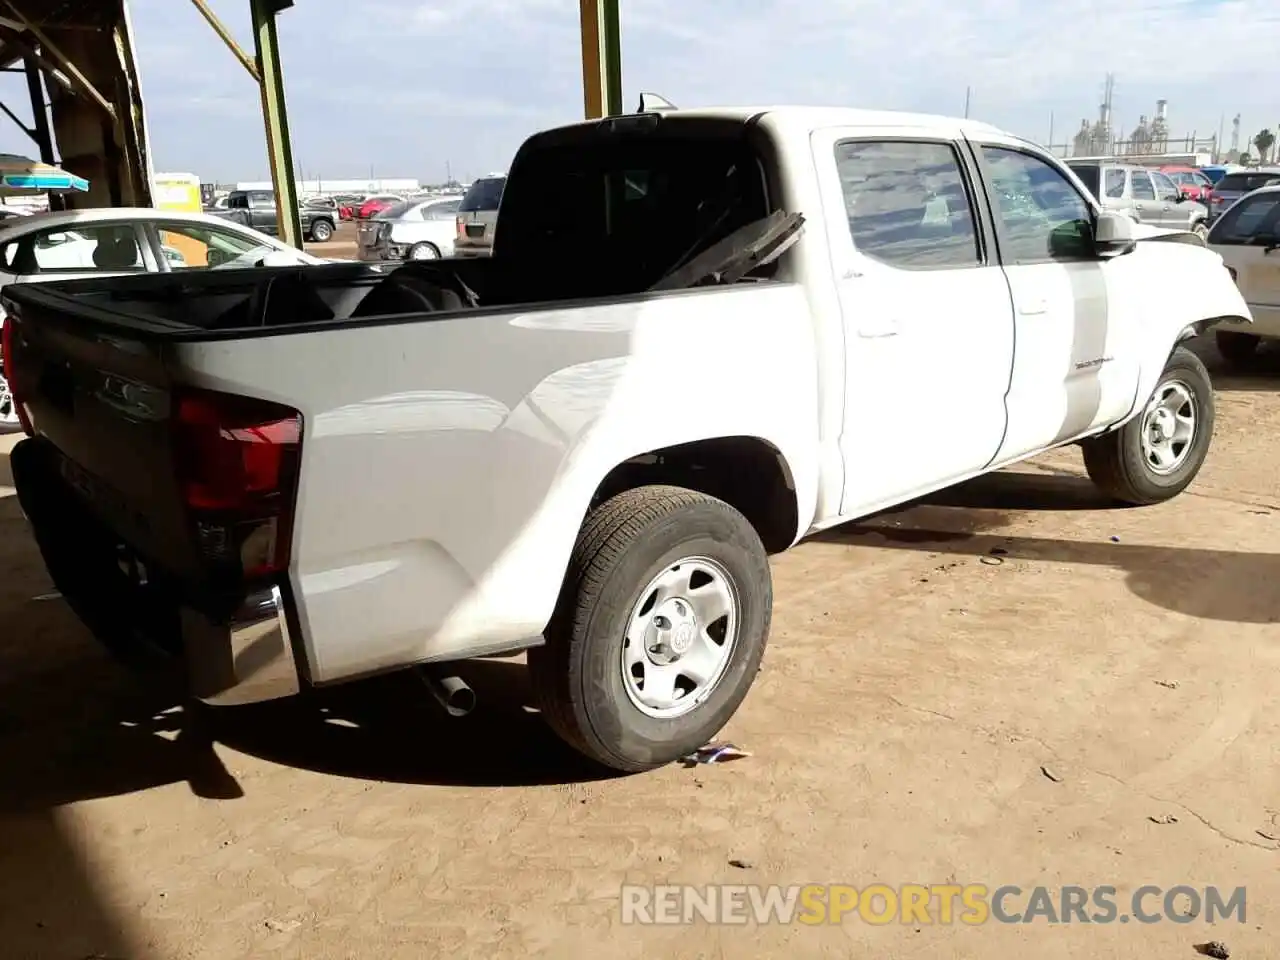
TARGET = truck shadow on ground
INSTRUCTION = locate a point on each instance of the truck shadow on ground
(1209, 584)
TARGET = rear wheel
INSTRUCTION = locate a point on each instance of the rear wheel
(423, 251)
(660, 629)
(321, 231)
(1157, 454)
(1236, 348)
(9, 422)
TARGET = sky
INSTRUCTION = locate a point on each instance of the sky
(421, 88)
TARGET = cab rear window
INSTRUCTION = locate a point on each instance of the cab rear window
(1247, 182)
(484, 194)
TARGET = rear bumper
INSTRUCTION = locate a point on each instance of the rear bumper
(242, 654)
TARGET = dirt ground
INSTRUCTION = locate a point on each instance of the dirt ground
(910, 698)
(341, 247)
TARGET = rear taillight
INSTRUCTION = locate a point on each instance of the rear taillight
(7, 365)
(237, 463)
(1219, 199)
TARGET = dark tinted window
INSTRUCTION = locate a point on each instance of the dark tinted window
(1249, 220)
(1115, 183)
(1246, 182)
(907, 204)
(1143, 188)
(1044, 217)
(484, 194)
(1088, 176)
(630, 206)
(397, 210)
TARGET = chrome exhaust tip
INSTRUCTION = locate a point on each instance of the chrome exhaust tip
(453, 693)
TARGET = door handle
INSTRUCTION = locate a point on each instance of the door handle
(1033, 306)
(879, 327)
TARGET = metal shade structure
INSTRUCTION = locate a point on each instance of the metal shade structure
(22, 176)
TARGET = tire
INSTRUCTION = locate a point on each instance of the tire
(1201, 230)
(1120, 464)
(321, 231)
(578, 677)
(1236, 348)
(422, 251)
(9, 422)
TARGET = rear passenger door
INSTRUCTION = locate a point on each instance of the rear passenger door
(1076, 365)
(927, 319)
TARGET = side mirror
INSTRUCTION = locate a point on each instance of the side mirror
(279, 258)
(1113, 234)
(1180, 198)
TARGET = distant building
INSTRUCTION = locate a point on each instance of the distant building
(306, 187)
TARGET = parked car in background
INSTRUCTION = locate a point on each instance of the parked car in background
(374, 205)
(1194, 184)
(701, 336)
(257, 209)
(1216, 171)
(478, 217)
(1247, 237)
(1238, 183)
(348, 204)
(77, 244)
(1147, 196)
(412, 230)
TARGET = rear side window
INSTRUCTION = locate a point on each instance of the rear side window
(1246, 182)
(1249, 220)
(1089, 177)
(1115, 183)
(907, 203)
(484, 194)
(441, 211)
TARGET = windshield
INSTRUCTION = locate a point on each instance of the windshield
(630, 207)
(1089, 177)
(398, 210)
(484, 194)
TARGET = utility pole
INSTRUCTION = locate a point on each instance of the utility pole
(1050, 143)
(968, 91)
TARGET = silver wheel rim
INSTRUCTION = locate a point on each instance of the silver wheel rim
(8, 409)
(1169, 426)
(680, 638)
(322, 233)
(422, 253)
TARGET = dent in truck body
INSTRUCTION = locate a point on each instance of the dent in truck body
(483, 481)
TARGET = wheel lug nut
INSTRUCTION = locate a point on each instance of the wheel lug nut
(661, 622)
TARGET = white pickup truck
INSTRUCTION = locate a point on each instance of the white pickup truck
(701, 336)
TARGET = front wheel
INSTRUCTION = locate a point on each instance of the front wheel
(1201, 230)
(660, 628)
(1156, 455)
(1236, 348)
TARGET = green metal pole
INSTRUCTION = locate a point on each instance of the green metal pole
(267, 54)
(611, 56)
(601, 58)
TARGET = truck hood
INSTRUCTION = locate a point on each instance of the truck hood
(1145, 231)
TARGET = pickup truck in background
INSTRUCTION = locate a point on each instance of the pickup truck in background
(257, 209)
(701, 336)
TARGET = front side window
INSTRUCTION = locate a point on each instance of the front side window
(1042, 215)
(1254, 219)
(907, 203)
(1143, 188)
(1165, 188)
(105, 248)
(1115, 183)
(196, 246)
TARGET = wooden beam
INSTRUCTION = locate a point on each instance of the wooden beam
(77, 78)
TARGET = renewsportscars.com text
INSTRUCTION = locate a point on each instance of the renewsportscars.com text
(921, 904)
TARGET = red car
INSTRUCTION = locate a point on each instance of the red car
(1193, 184)
(375, 205)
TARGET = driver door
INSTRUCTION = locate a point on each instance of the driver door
(1076, 356)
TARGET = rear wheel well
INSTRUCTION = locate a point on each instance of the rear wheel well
(747, 473)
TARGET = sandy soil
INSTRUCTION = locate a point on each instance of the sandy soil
(910, 699)
(341, 247)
